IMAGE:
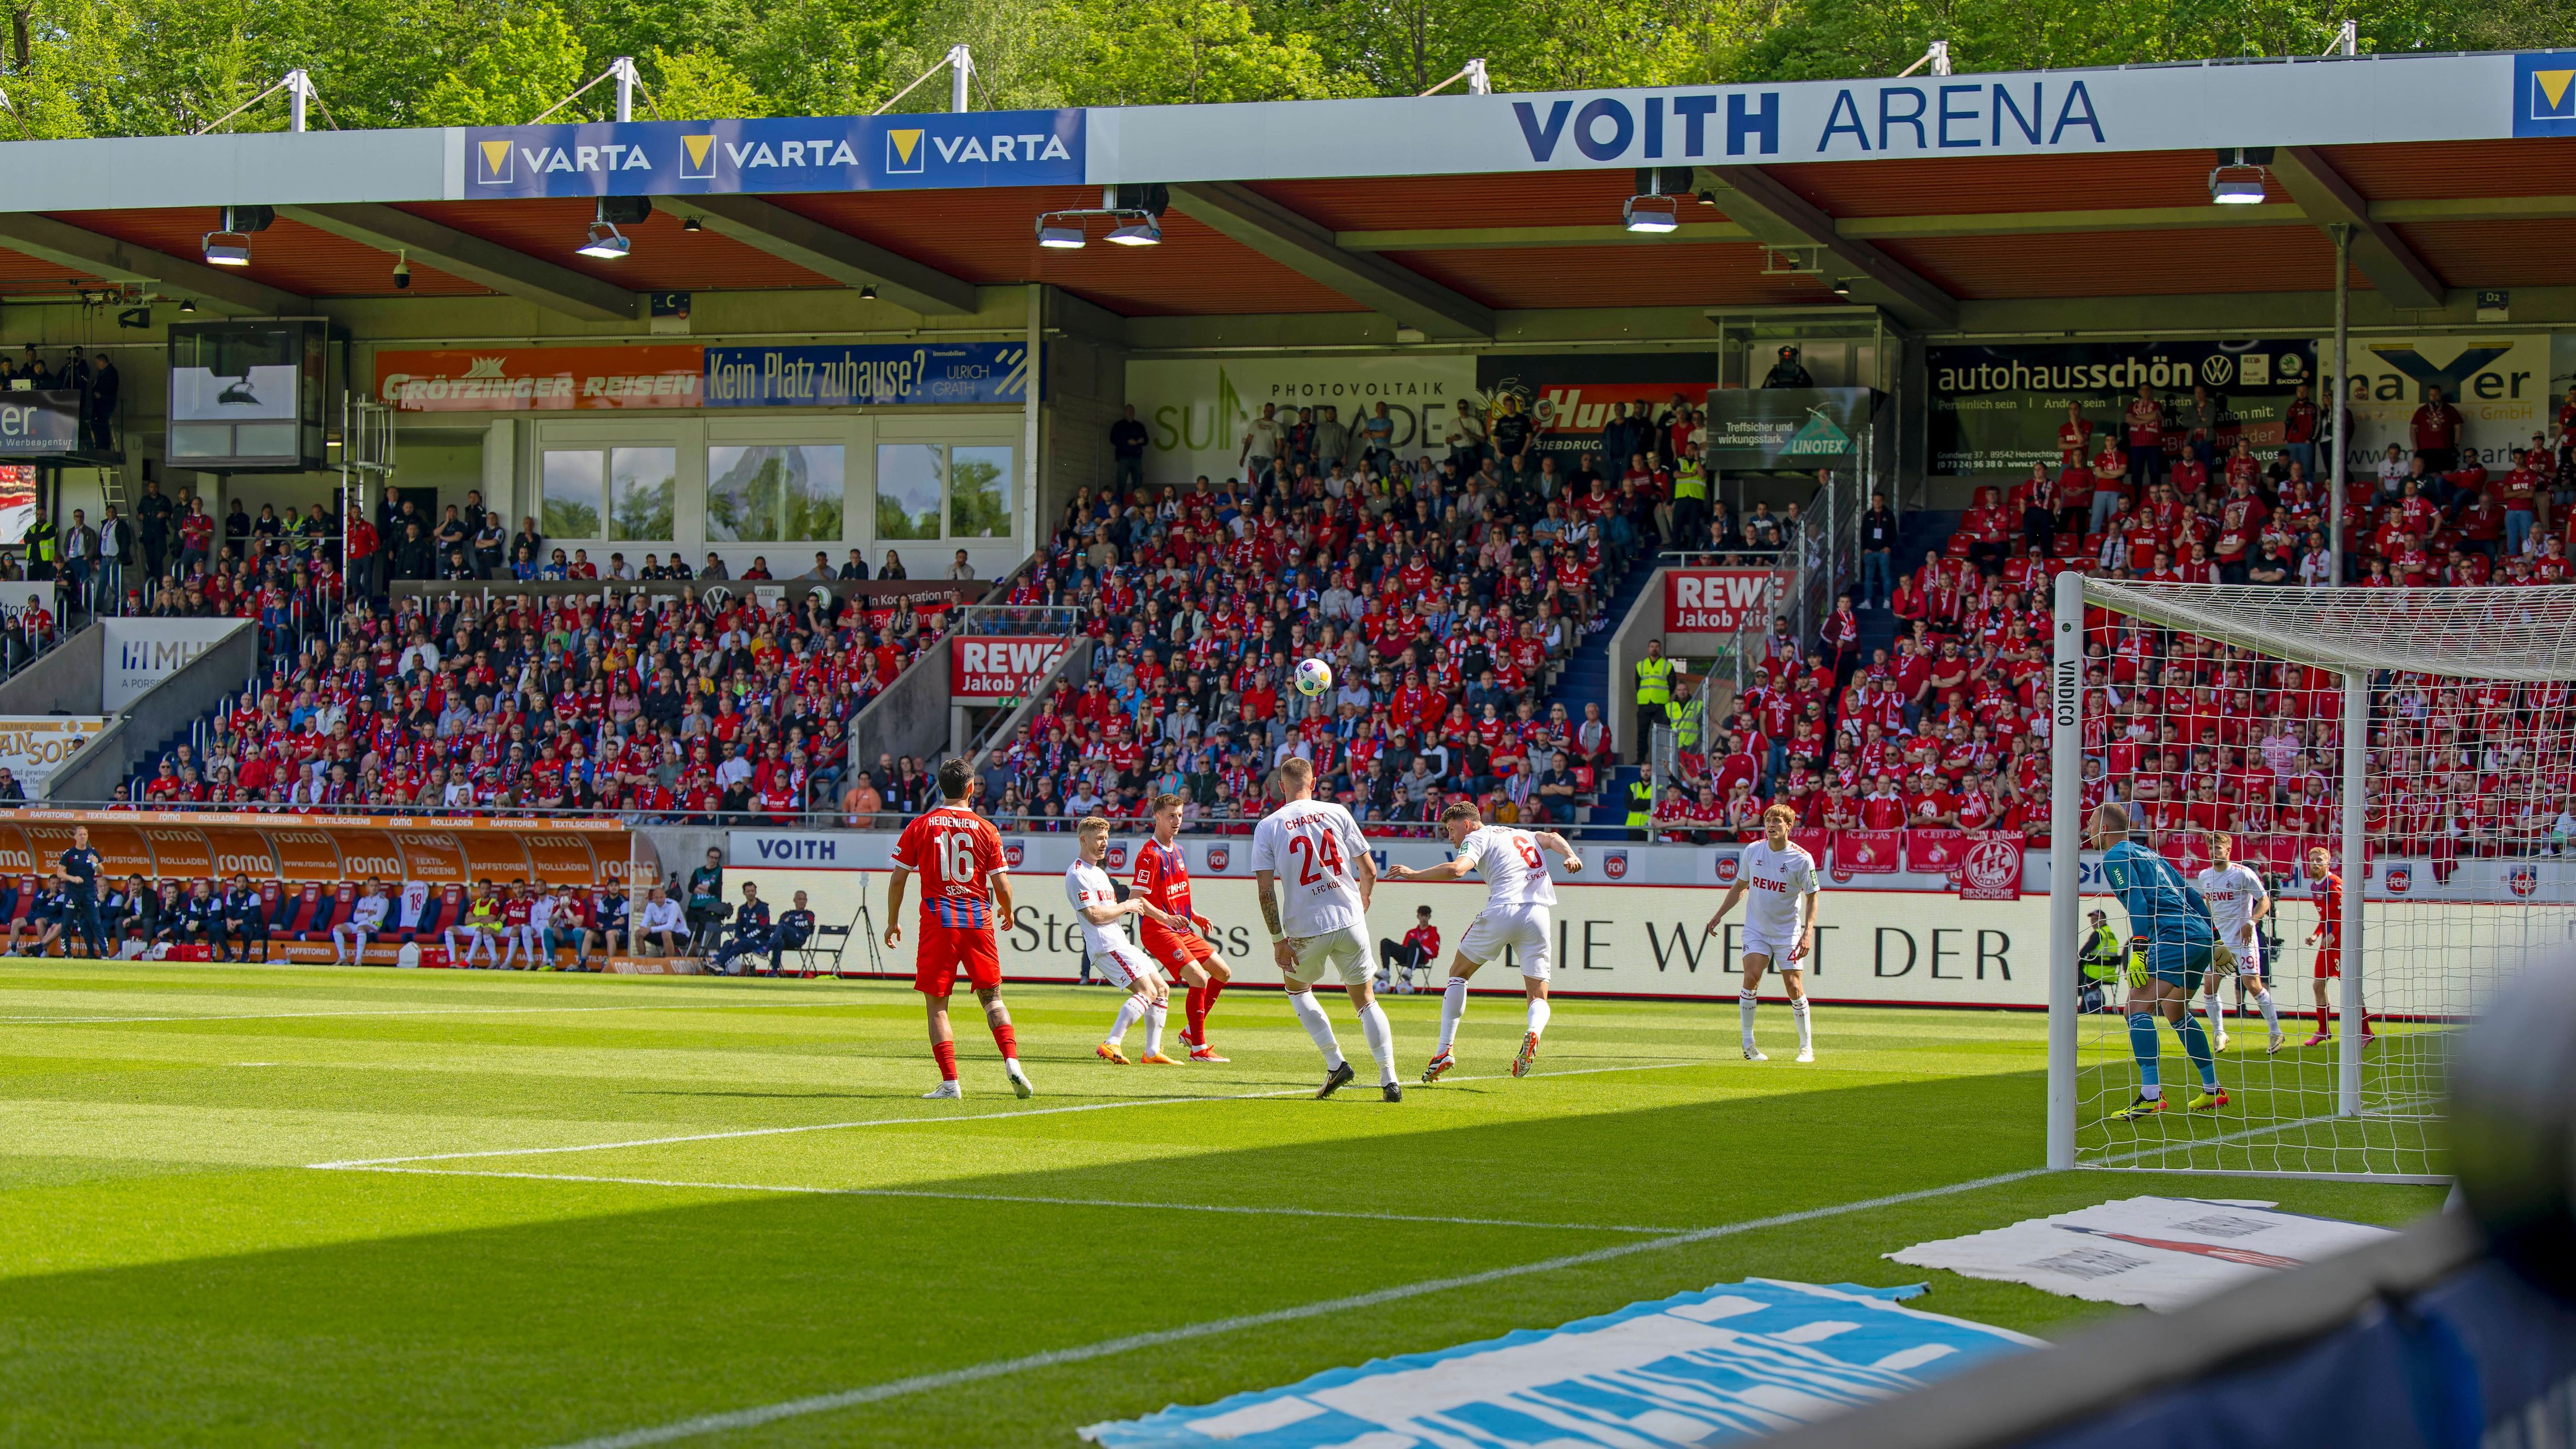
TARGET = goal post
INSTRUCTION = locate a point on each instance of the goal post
(2424, 739)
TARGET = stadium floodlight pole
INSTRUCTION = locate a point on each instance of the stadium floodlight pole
(2065, 862)
(2356, 885)
(623, 67)
(2336, 400)
(961, 69)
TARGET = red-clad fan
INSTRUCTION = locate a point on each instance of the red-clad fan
(965, 896)
(1162, 878)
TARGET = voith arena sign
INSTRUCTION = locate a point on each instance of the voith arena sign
(1713, 601)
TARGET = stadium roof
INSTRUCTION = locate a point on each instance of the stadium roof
(1998, 203)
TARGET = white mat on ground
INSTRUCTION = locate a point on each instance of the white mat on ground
(1730, 1362)
(2153, 1252)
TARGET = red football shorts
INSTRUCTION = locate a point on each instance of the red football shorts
(1173, 950)
(946, 951)
(2329, 960)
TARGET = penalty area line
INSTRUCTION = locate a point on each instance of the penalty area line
(1099, 1202)
(922, 1121)
(1108, 1348)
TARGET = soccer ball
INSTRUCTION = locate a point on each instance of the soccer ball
(1314, 677)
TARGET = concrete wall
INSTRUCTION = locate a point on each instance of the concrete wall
(910, 718)
(164, 710)
(65, 680)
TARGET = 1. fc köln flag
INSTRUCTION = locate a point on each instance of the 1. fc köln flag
(1991, 870)
(1866, 852)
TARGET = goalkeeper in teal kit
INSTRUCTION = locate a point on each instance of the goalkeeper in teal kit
(2179, 946)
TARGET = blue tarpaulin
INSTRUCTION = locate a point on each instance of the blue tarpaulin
(1730, 1362)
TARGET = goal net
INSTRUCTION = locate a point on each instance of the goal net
(2423, 739)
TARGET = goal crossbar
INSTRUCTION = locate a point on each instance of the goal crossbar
(2519, 634)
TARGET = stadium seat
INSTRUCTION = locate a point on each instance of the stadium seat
(343, 902)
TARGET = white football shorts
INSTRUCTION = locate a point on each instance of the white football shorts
(1346, 949)
(1526, 929)
(1124, 967)
(1777, 950)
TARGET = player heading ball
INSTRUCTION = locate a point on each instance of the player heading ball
(1315, 850)
(1519, 900)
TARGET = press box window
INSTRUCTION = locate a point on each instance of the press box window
(774, 493)
(930, 491)
(621, 494)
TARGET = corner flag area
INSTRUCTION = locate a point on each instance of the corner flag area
(297, 1204)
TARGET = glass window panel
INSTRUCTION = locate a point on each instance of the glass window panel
(642, 482)
(812, 493)
(742, 494)
(979, 492)
(568, 497)
(908, 490)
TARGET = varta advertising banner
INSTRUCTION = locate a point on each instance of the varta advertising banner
(780, 154)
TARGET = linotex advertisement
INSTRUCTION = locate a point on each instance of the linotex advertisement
(1996, 409)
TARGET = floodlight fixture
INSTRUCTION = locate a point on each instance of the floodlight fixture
(1137, 229)
(1652, 215)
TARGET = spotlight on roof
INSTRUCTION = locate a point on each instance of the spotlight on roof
(1842, 287)
(606, 242)
(1137, 229)
(1652, 215)
(2238, 178)
(692, 224)
(1060, 233)
(225, 248)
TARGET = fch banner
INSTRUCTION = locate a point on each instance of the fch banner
(1788, 429)
(1996, 409)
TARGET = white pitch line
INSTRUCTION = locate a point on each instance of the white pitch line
(1106, 1348)
(918, 1121)
(1101, 1202)
(429, 1011)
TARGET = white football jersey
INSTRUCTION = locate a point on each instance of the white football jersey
(2232, 894)
(1776, 882)
(1514, 868)
(1313, 847)
(1087, 887)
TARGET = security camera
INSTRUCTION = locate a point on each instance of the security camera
(402, 272)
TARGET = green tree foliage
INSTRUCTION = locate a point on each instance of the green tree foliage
(145, 67)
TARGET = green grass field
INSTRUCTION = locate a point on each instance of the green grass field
(787, 1219)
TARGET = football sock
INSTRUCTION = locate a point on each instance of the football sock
(1194, 1013)
(945, 1052)
(2271, 1013)
(1453, 1005)
(1008, 1040)
(1154, 1016)
(1745, 1001)
(1128, 1010)
(1381, 1041)
(1207, 1002)
(2324, 1027)
(1538, 1015)
(1806, 1034)
(1319, 1026)
(2144, 1046)
(2195, 1045)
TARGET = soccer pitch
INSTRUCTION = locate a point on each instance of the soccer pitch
(329, 1205)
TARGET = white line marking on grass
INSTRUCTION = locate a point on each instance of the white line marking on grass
(923, 1121)
(429, 1011)
(1107, 1348)
(1102, 1202)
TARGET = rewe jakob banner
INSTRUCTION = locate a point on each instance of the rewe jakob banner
(988, 670)
(1713, 601)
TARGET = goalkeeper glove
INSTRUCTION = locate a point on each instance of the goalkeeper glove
(2138, 964)
(2222, 960)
